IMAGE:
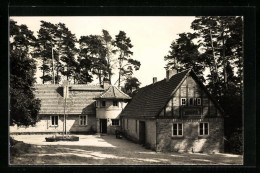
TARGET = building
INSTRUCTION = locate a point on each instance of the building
(108, 107)
(175, 114)
(87, 107)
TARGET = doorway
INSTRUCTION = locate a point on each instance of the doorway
(142, 132)
(103, 125)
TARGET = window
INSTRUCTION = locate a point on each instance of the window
(103, 103)
(54, 120)
(115, 122)
(82, 120)
(191, 101)
(204, 129)
(198, 100)
(177, 129)
(183, 101)
(115, 103)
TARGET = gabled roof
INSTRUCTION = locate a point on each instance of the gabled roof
(113, 93)
(150, 100)
(80, 101)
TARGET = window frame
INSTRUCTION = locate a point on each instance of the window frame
(86, 120)
(103, 105)
(115, 105)
(97, 103)
(54, 125)
(197, 101)
(191, 101)
(177, 129)
(112, 120)
(203, 129)
(185, 101)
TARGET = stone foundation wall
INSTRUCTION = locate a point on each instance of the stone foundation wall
(191, 141)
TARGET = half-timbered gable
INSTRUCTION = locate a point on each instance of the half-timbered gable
(191, 99)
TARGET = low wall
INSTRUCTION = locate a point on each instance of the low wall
(191, 141)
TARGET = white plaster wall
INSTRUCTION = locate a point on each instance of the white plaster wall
(44, 125)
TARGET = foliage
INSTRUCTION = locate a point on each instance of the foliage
(45, 44)
(93, 51)
(56, 47)
(184, 54)
(236, 143)
(24, 107)
(215, 49)
(130, 83)
(107, 42)
(66, 50)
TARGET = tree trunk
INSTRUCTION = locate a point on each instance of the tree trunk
(43, 73)
(109, 77)
(53, 73)
(99, 76)
(224, 59)
(214, 58)
(120, 66)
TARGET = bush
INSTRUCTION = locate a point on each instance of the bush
(62, 138)
(17, 147)
(236, 143)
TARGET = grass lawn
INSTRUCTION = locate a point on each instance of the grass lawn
(104, 150)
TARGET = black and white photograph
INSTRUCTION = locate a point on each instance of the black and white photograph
(126, 90)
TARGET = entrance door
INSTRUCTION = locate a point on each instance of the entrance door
(142, 132)
(103, 125)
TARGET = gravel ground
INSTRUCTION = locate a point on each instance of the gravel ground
(107, 150)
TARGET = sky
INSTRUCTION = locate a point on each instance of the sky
(151, 37)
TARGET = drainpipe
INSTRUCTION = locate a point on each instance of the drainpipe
(156, 135)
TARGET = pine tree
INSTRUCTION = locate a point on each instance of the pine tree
(66, 48)
(92, 50)
(109, 49)
(125, 63)
(46, 52)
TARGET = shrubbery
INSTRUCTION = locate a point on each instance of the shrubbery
(236, 143)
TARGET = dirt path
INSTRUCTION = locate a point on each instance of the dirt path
(107, 150)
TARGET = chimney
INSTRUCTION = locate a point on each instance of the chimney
(105, 84)
(65, 89)
(154, 79)
(170, 73)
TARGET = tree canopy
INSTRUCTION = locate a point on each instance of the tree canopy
(24, 107)
(214, 51)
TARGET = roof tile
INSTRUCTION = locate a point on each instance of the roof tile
(149, 100)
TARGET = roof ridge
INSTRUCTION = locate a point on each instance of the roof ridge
(112, 90)
(114, 93)
(121, 92)
(105, 91)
